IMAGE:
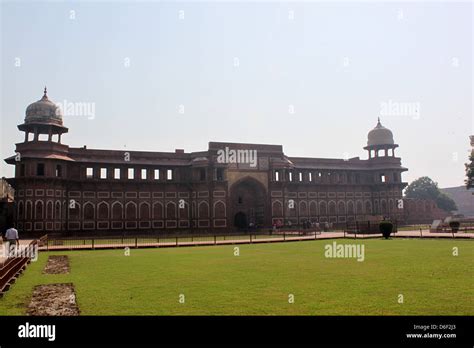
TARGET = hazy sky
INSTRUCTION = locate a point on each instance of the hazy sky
(312, 76)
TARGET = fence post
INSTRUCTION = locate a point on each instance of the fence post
(215, 242)
(176, 241)
(92, 243)
(136, 242)
(284, 236)
(250, 237)
(421, 233)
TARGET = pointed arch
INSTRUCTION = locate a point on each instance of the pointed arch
(39, 209)
(368, 207)
(203, 210)
(303, 209)
(171, 210)
(88, 211)
(341, 208)
(277, 209)
(49, 210)
(131, 211)
(157, 211)
(103, 211)
(350, 208)
(74, 211)
(183, 211)
(57, 210)
(144, 211)
(323, 208)
(332, 208)
(29, 210)
(313, 209)
(117, 211)
(220, 210)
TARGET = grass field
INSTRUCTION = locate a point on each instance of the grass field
(260, 280)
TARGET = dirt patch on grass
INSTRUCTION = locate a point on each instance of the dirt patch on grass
(53, 299)
(57, 264)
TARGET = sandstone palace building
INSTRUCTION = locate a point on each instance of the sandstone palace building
(76, 189)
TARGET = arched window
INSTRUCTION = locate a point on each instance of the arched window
(341, 208)
(171, 210)
(313, 209)
(144, 211)
(28, 210)
(219, 210)
(383, 205)
(203, 210)
(359, 208)
(117, 211)
(183, 211)
(103, 211)
(49, 210)
(277, 209)
(368, 207)
(332, 208)
(291, 208)
(322, 208)
(350, 208)
(157, 211)
(57, 210)
(39, 210)
(131, 211)
(89, 213)
(74, 210)
(303, 209)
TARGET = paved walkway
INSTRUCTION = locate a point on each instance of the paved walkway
(260, 239)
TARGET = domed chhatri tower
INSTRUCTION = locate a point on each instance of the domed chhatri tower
(40, 167)
(380, 142)
(43, 117)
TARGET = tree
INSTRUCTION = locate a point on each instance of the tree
(425, 188)
(445, 202)
(470, 172)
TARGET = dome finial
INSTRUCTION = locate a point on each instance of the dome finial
(45, 95)
(378, 121)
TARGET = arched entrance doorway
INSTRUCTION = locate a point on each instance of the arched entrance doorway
(248, 203)
(240, 220)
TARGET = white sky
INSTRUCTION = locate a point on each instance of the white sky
(334, 64)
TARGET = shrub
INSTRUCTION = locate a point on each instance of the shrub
(454, 225)
(386, 228)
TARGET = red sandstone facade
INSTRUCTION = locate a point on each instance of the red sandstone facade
(65, 189)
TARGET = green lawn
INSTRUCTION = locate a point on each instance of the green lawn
(259, 281)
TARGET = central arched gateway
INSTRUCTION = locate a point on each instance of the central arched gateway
(248, 203)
